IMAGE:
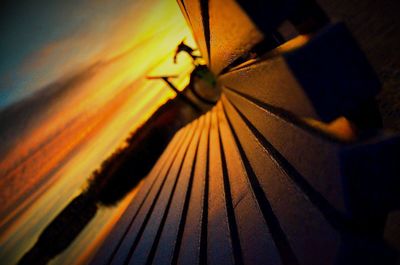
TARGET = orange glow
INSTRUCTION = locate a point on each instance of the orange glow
(56, 154)
(340, 128)
(293, 44)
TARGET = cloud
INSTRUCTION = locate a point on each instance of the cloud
(17, 119)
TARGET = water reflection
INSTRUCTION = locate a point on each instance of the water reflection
(64, 130)
(120, 173)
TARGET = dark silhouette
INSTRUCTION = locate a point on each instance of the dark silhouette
(116, 177)
(182, 47)
(62, 231)
(123, 170)
(127, 166)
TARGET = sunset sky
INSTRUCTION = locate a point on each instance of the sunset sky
(72, 87)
